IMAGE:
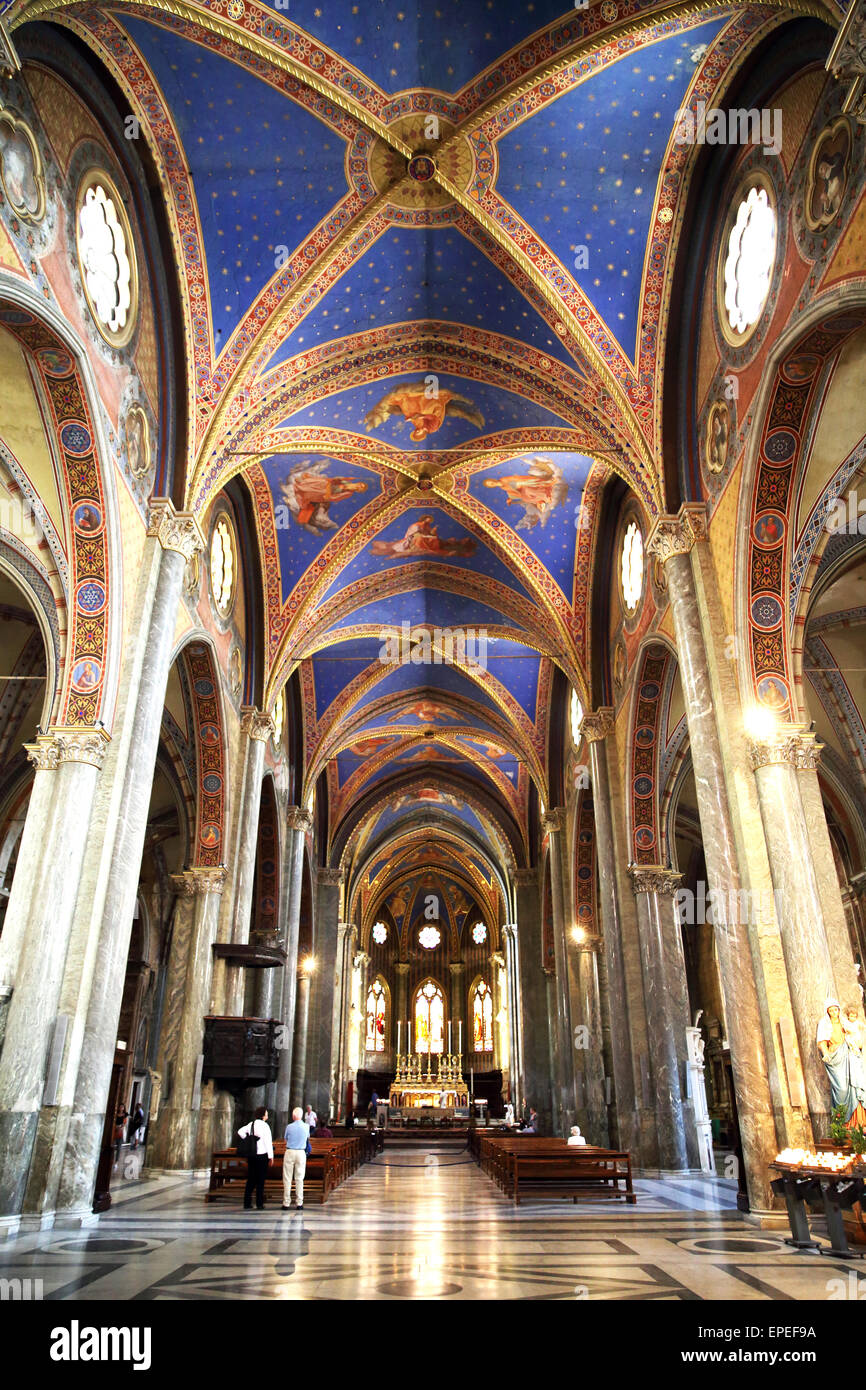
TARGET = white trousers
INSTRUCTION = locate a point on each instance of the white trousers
(294, 1165)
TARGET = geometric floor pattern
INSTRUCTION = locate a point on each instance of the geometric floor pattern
(412, 1225)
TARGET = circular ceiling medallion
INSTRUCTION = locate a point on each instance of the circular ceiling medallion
(106, 257)
(421, 168)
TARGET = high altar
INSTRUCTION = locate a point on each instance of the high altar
(443, 1088)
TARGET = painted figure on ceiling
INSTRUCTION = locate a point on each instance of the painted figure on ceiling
(422, 709)
(308, 494)
(422, 538)
(426, 409)
(539, 491)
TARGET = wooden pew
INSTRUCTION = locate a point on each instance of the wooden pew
(330, 1163)
(532, 1165)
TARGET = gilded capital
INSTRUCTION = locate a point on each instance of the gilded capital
(69, 746)
(178, 531)
(526, 878)
(331, 878)
(299, 819)
(457, 967)
(654, 878)
(257, 726)
(597, 725)
(675, 535)
(193, 883)
(552, 820)
(788, 744)
(402, 967)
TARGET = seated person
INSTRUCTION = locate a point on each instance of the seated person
(531, 1126)
(575, 1137)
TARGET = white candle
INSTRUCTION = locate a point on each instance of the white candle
(398, 1036)
(460, 1036)
(449, 1035)
(409, 1026)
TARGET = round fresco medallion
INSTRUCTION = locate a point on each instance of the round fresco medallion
(584, 872)
(87, 518)
(649, 690)
(212, 783)
(21, 168)
(267, 905)
(766, 612)
(827, 180)
(86, 674)
(268, 867)
(421, 168)
(779, 446)
(209, 735)
(643, 786)
(210, 836)
(584, 910)
(90, 596)
(203, 687)
(773, 693)
(137, 442)
(769, 529)
(55, 362)
(585, 837)
(75, 438)
(801, 367)
(644, 838)
(644, 735)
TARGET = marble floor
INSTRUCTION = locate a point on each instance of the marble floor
(412, 1225)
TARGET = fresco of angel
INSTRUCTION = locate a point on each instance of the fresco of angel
(426, 410)
(428, 710)
(308, 493)
(539, 491)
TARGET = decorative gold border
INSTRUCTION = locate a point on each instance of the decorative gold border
(17, 123)
(92, 178)
(826, 134)
(755, 178)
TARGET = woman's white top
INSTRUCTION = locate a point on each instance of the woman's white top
(264, 1138)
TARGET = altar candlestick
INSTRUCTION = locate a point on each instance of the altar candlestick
(460, 1037)
(409, 1026)
(398, 1037)
(449, 1035)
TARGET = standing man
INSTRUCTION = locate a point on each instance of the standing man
(295, 1159)
(311, 1118)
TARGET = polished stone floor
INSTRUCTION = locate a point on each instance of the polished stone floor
(413, 1225)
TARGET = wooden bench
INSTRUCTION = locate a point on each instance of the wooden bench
(524, 1165)
(331, 1162)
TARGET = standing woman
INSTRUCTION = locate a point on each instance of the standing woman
(257, 1166)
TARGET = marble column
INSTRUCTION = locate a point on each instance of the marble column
(534, 1017)
(499, 991)
(320, 1034)
(679, 542)
(509, 937)
(808, 965)
(179, 537)
(654, 888)
(68, 763)
(624, 1121)
(298, 822)
(347, 936)
(593, 1113)
(359, 997)
(457, 971)
(256, 729)
(178, 1119)
(839, 939)
(564, 1092)
(297, 1094)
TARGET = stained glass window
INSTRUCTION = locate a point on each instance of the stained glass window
(222, 565)
(430, 1018)
(479, 933)
(380, 933)
(632, 566)
(429, 937)
(377, 1016)
(576, 716)
(750, 258)
(482, 1018)
(106, 258)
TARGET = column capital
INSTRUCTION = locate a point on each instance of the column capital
(361, 959)
(257, 725)
(498, 959)
(457, 967)
(60, 745)
(847, 60)
(553, 820)
(597, 725)
(508, 930)
(195, 882)
(675, 535)
(788, 744)
(178, 531)
(526, 878)
(330, 878)
(402, 967)
(654, 878)
(299, 819)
